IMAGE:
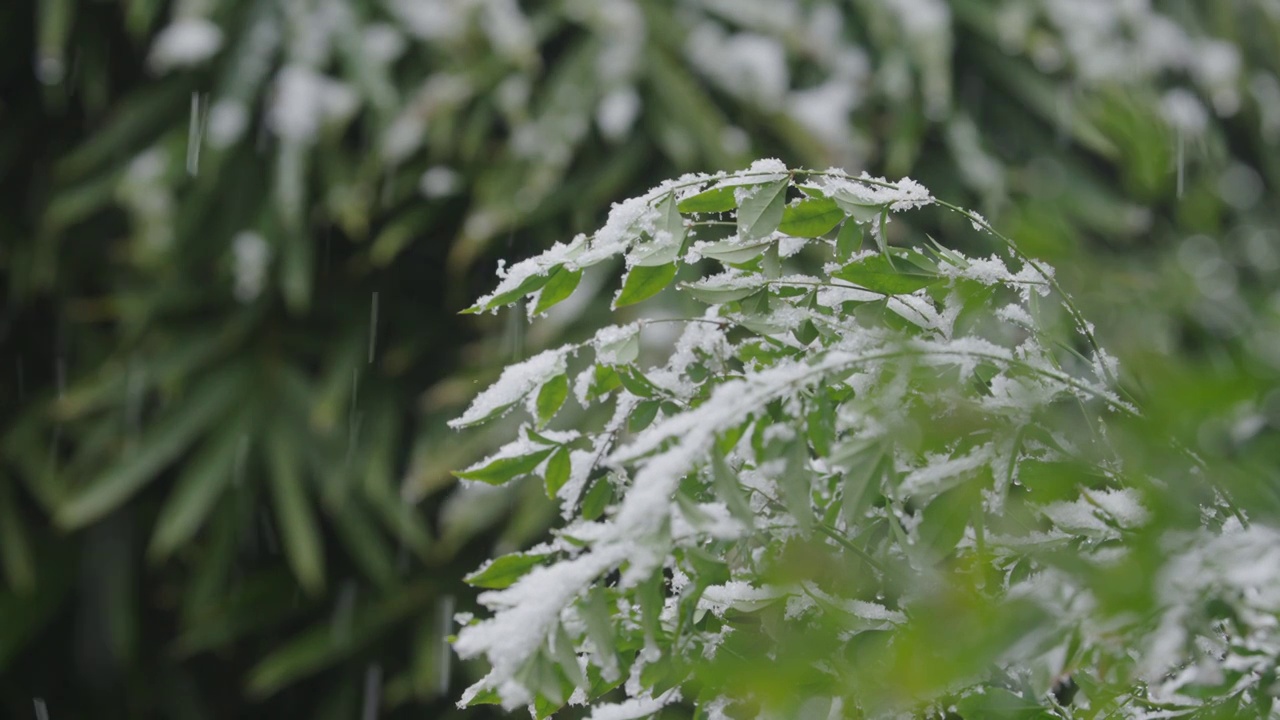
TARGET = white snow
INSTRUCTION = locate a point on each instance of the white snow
(617, 112)
(186, 42)
(633, 709)
(305, 101)
(514, 385)
(250, 254)
(440, 181)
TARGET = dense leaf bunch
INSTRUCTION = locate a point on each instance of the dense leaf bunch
(859, 477)
(227, 219)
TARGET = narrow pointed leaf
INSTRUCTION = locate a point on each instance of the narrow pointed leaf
(560, 285)
(203, 481)
(551, 397)
(643, 283)
(557, 472)
(504, 571)
(503, 469)
(168, 438)
(295, 515)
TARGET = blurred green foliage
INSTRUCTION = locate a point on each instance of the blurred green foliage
(234, 237)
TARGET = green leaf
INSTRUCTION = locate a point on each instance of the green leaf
(368, 547)
(822, 423)
(597, 499)
(504, 571)
(877, 274)
(810, 218)
(567, 657)
(557, 472)
(560, 285)
(529, 285)
(642, 417)
(946, 518)
(761, 211)
(643, 283)
(715, 200)
(551, 397)
(728, 489)
(485, 697)
(733, 253)
(167, 438)
(255, 602)
(848, 241)
(15, 549)
(320, 645)
(504, 469)
(636, 383)
(794, 482)
(712, 295)
(540, 675)
(203, 481)
(864, 469)
(667, 246)
(594, 611)
(295, 516)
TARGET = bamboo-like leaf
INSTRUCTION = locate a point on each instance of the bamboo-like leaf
(504, 571)
(503, 469)
(294, 513)
(319, 647)
(15, 547)
(169, 437)
(203, 481)
(366, 545)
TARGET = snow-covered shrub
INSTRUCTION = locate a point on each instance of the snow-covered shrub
(885, 486)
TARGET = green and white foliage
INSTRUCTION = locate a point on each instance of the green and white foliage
(882, 487)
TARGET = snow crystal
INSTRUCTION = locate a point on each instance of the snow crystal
(711, 520)
(737, 594)
(515, 383)
(185, 42)
(1015, 314)
(944, 470)
(633, 709)
(1121, 507)
(612, 343)
(988, 271)
(516, 275)
(648, 502)
(866, 191)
